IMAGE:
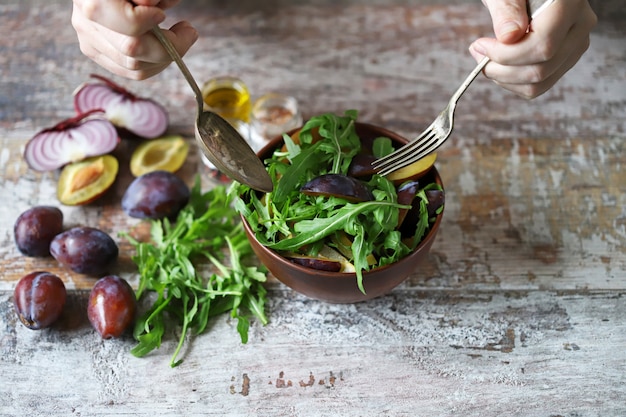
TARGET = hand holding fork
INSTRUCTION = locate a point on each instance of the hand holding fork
(439, 130)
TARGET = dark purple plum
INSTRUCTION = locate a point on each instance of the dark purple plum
(361, 165)
(111, 306)
(85, 250)
(39, 298)
(35, 228)
(155, 195)
(338, 185)
(436, 199)
(316, 263)
(406, 195)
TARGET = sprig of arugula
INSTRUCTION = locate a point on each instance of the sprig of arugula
(170, 266)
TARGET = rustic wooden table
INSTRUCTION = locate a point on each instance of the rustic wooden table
(520, 310)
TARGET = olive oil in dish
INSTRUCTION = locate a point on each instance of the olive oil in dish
(229, 97)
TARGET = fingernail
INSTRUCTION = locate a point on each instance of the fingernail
(477, 48)
(158, 17)
(190, 26)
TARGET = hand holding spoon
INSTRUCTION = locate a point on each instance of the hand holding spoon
(218, 140)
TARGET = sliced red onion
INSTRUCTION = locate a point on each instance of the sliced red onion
(71, 140)
(143, 117)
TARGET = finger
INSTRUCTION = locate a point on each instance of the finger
(120, 15)
(534, 90)
(146, 47)
(509, 18)
(132, 66)
(94, 44)
(547, 33)
(575, 45)
(135, 71)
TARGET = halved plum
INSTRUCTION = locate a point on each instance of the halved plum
(167, 153)
(85, 181)
(328, 259)
(406, 195)
(436, 200)
(361, 165)
(413, 171)
(321, 264)
(338, 185)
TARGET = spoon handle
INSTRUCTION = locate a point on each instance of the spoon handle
(171, 50)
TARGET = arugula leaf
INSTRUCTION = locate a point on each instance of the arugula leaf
(168, 266)
(309, 231)
(294, 175)
(382, 146)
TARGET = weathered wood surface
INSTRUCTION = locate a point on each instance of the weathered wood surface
(520, 309)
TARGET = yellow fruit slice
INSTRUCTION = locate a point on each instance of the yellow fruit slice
(83, 182)
(167, 153)
(344, 246)
(414, 170)
(330, 253)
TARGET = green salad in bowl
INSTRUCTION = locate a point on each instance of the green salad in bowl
(329, 214)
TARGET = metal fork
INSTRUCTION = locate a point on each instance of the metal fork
(439, 130)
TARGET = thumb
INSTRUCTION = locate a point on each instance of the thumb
(509, 18)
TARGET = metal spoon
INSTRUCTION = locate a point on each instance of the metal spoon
(218, 140)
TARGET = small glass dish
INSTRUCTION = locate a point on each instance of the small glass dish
(272, 114)
(227, 96)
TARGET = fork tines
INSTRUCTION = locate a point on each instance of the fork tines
(409, 153)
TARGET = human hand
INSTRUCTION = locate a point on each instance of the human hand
(116, 35)
(529, 64)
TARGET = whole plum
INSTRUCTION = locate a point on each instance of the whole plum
(111, 307)
(85, 250)
(155, 195)
(35, 228)
(39, 298)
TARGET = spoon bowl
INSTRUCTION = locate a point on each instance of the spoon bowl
(217, 139)
(211, 129)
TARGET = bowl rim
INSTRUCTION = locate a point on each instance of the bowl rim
(372, 273)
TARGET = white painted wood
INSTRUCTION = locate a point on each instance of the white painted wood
(409, 353)
(520, 309)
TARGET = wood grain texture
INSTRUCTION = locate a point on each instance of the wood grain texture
(519, 310)
(442, 353)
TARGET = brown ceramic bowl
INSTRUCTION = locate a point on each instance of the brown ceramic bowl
(338, 287)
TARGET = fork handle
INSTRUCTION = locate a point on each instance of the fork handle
(535, 7)
(468, 80)
(173, 53)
